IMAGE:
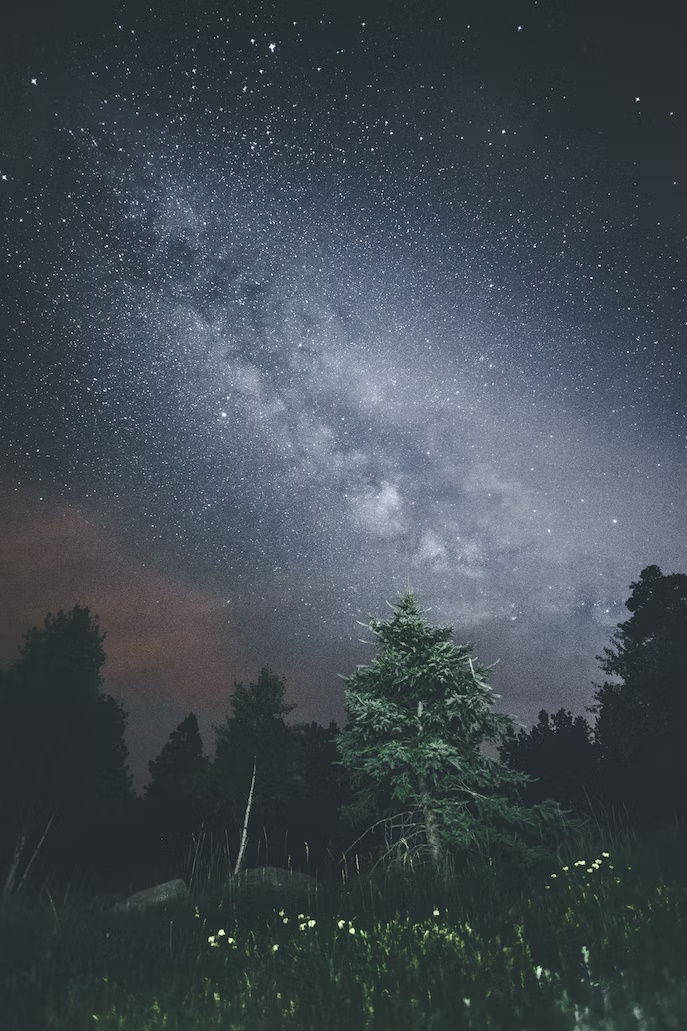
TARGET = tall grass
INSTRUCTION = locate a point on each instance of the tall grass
(592, 939)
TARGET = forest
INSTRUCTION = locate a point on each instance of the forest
(65, 784)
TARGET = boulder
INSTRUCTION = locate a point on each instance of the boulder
(276, 882)
(265, 882)
(154, 897)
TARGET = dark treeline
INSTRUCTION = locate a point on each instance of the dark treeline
(63, 757)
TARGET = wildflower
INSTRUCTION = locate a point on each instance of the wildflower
(274, 948)
(351, 930)
(435, 911)
(340, 924)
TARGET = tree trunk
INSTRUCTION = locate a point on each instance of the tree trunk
(244, 835)
(431, 827)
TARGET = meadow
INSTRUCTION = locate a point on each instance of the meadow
(594, 940)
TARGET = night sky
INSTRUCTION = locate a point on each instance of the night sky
(300, 303)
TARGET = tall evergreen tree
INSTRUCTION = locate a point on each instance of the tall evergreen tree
(642, 721)
(63, 758)
(63, 739)
(172, 792)
(254, 736)
(173, 772)
(416, 718)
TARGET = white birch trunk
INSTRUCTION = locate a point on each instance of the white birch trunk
(244, 834)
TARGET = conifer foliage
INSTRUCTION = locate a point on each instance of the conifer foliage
(63, 757)
(180, 760)
(642, 721)
(416, 718)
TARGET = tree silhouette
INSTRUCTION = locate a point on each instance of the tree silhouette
(173, 772)
(255, 734)
(416, 718)
(324, 788)
(642, 722)
(62, 748)
(561, 756)
(172, 792)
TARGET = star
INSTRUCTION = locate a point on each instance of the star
(272, 47)
(34, 82)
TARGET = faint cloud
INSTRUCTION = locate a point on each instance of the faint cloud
(379, 511)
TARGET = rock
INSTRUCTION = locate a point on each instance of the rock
(108, 900)
(154, 897)
(265, 882)
(276, 883)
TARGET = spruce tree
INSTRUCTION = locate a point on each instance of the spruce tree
(416, 718)
(254, 736)
(180, 761)
(63, 757)
(171, 794)
(66, 749)
(641, 727)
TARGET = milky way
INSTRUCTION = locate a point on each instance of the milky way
(307, 305)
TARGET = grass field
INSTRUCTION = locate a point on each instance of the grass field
(594, 940)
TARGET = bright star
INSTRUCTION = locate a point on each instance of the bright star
(272, 47)
(34, 82)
